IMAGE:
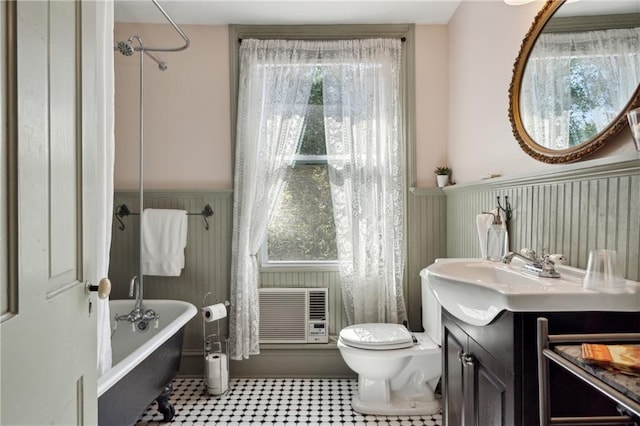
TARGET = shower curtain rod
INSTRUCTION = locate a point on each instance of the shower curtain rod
(147, 50)
(176, 27)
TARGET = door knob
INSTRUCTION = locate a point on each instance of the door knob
(103, 288)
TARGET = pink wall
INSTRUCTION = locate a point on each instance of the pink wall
(187, 120)
(432, 101)
(463, 71)
(484, 40)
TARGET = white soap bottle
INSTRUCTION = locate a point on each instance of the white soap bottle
(496, 238)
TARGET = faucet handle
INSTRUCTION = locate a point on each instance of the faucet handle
(558, 258)
(530, 253)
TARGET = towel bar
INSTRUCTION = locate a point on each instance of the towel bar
(123, 210)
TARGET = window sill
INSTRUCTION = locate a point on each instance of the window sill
(332, 345)
(292, 267)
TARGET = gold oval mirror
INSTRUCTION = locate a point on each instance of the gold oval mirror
(577, 73)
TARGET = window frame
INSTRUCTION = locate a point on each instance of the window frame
(405, 32)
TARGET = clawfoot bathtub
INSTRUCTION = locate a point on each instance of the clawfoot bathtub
(145, 361)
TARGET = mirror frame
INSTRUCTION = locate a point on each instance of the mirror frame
(526, 142)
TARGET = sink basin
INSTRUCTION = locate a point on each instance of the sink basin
(476, 290)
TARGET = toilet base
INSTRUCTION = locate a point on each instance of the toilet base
(396, 407)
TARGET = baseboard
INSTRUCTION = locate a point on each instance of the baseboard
(294, 361)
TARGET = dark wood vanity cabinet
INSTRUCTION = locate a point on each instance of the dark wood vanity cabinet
(489, 372)
(478, 385)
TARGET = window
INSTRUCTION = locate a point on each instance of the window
(302, 230)
(278, 251)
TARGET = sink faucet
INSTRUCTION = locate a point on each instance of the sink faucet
(540, 266)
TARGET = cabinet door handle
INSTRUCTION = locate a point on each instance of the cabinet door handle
(467, 359)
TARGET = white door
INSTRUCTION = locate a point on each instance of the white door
(48, 323)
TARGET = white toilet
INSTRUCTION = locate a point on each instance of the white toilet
(397, 370)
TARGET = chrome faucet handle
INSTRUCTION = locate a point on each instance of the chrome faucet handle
(546, 262)
(150, 314)
(548, 267)
(530, 253)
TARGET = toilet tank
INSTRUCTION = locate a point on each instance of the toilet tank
(431, 320)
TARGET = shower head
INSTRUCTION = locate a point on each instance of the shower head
(125, 48)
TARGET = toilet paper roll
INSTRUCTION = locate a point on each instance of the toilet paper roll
(214, 312)
(217, 373)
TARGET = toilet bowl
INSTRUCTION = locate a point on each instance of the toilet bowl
(398, 371)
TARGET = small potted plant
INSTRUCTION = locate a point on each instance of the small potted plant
(442, 175)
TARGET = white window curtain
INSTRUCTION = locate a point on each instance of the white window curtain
(366, 151)
(610, 60)
(104, 183)
(274, 87)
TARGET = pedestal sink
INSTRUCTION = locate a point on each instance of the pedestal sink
(476, 290)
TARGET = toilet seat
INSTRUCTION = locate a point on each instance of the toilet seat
(377, 336)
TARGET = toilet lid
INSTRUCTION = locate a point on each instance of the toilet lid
(376, 336)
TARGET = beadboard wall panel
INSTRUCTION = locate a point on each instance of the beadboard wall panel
(426, 241)
(570, 212)
(207, 255)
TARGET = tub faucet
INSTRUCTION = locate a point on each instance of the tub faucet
(138, 313)
(541, 266)
(135, 288)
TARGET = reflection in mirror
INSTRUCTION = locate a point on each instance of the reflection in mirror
(634, 125)
(581, 73)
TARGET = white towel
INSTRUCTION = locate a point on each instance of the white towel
(164, 239)
(483, 223)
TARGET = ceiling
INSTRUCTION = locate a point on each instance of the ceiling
(287, 12)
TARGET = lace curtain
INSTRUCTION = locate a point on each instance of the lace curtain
(365, 149)
(579, 79)
(273, 94)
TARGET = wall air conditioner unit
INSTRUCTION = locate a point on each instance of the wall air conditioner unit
(294, 315)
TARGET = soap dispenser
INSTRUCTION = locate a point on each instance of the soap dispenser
(496, 239)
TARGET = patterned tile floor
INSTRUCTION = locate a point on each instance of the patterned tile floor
(273, 402)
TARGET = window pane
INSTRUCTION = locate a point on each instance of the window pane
(302, 228)
(313, 142)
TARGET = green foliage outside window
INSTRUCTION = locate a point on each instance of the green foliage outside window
(585, 80)
(302, 229)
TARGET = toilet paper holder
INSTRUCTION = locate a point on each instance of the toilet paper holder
(216, 355)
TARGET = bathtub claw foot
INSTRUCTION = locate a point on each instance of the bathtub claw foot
(164, 406)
